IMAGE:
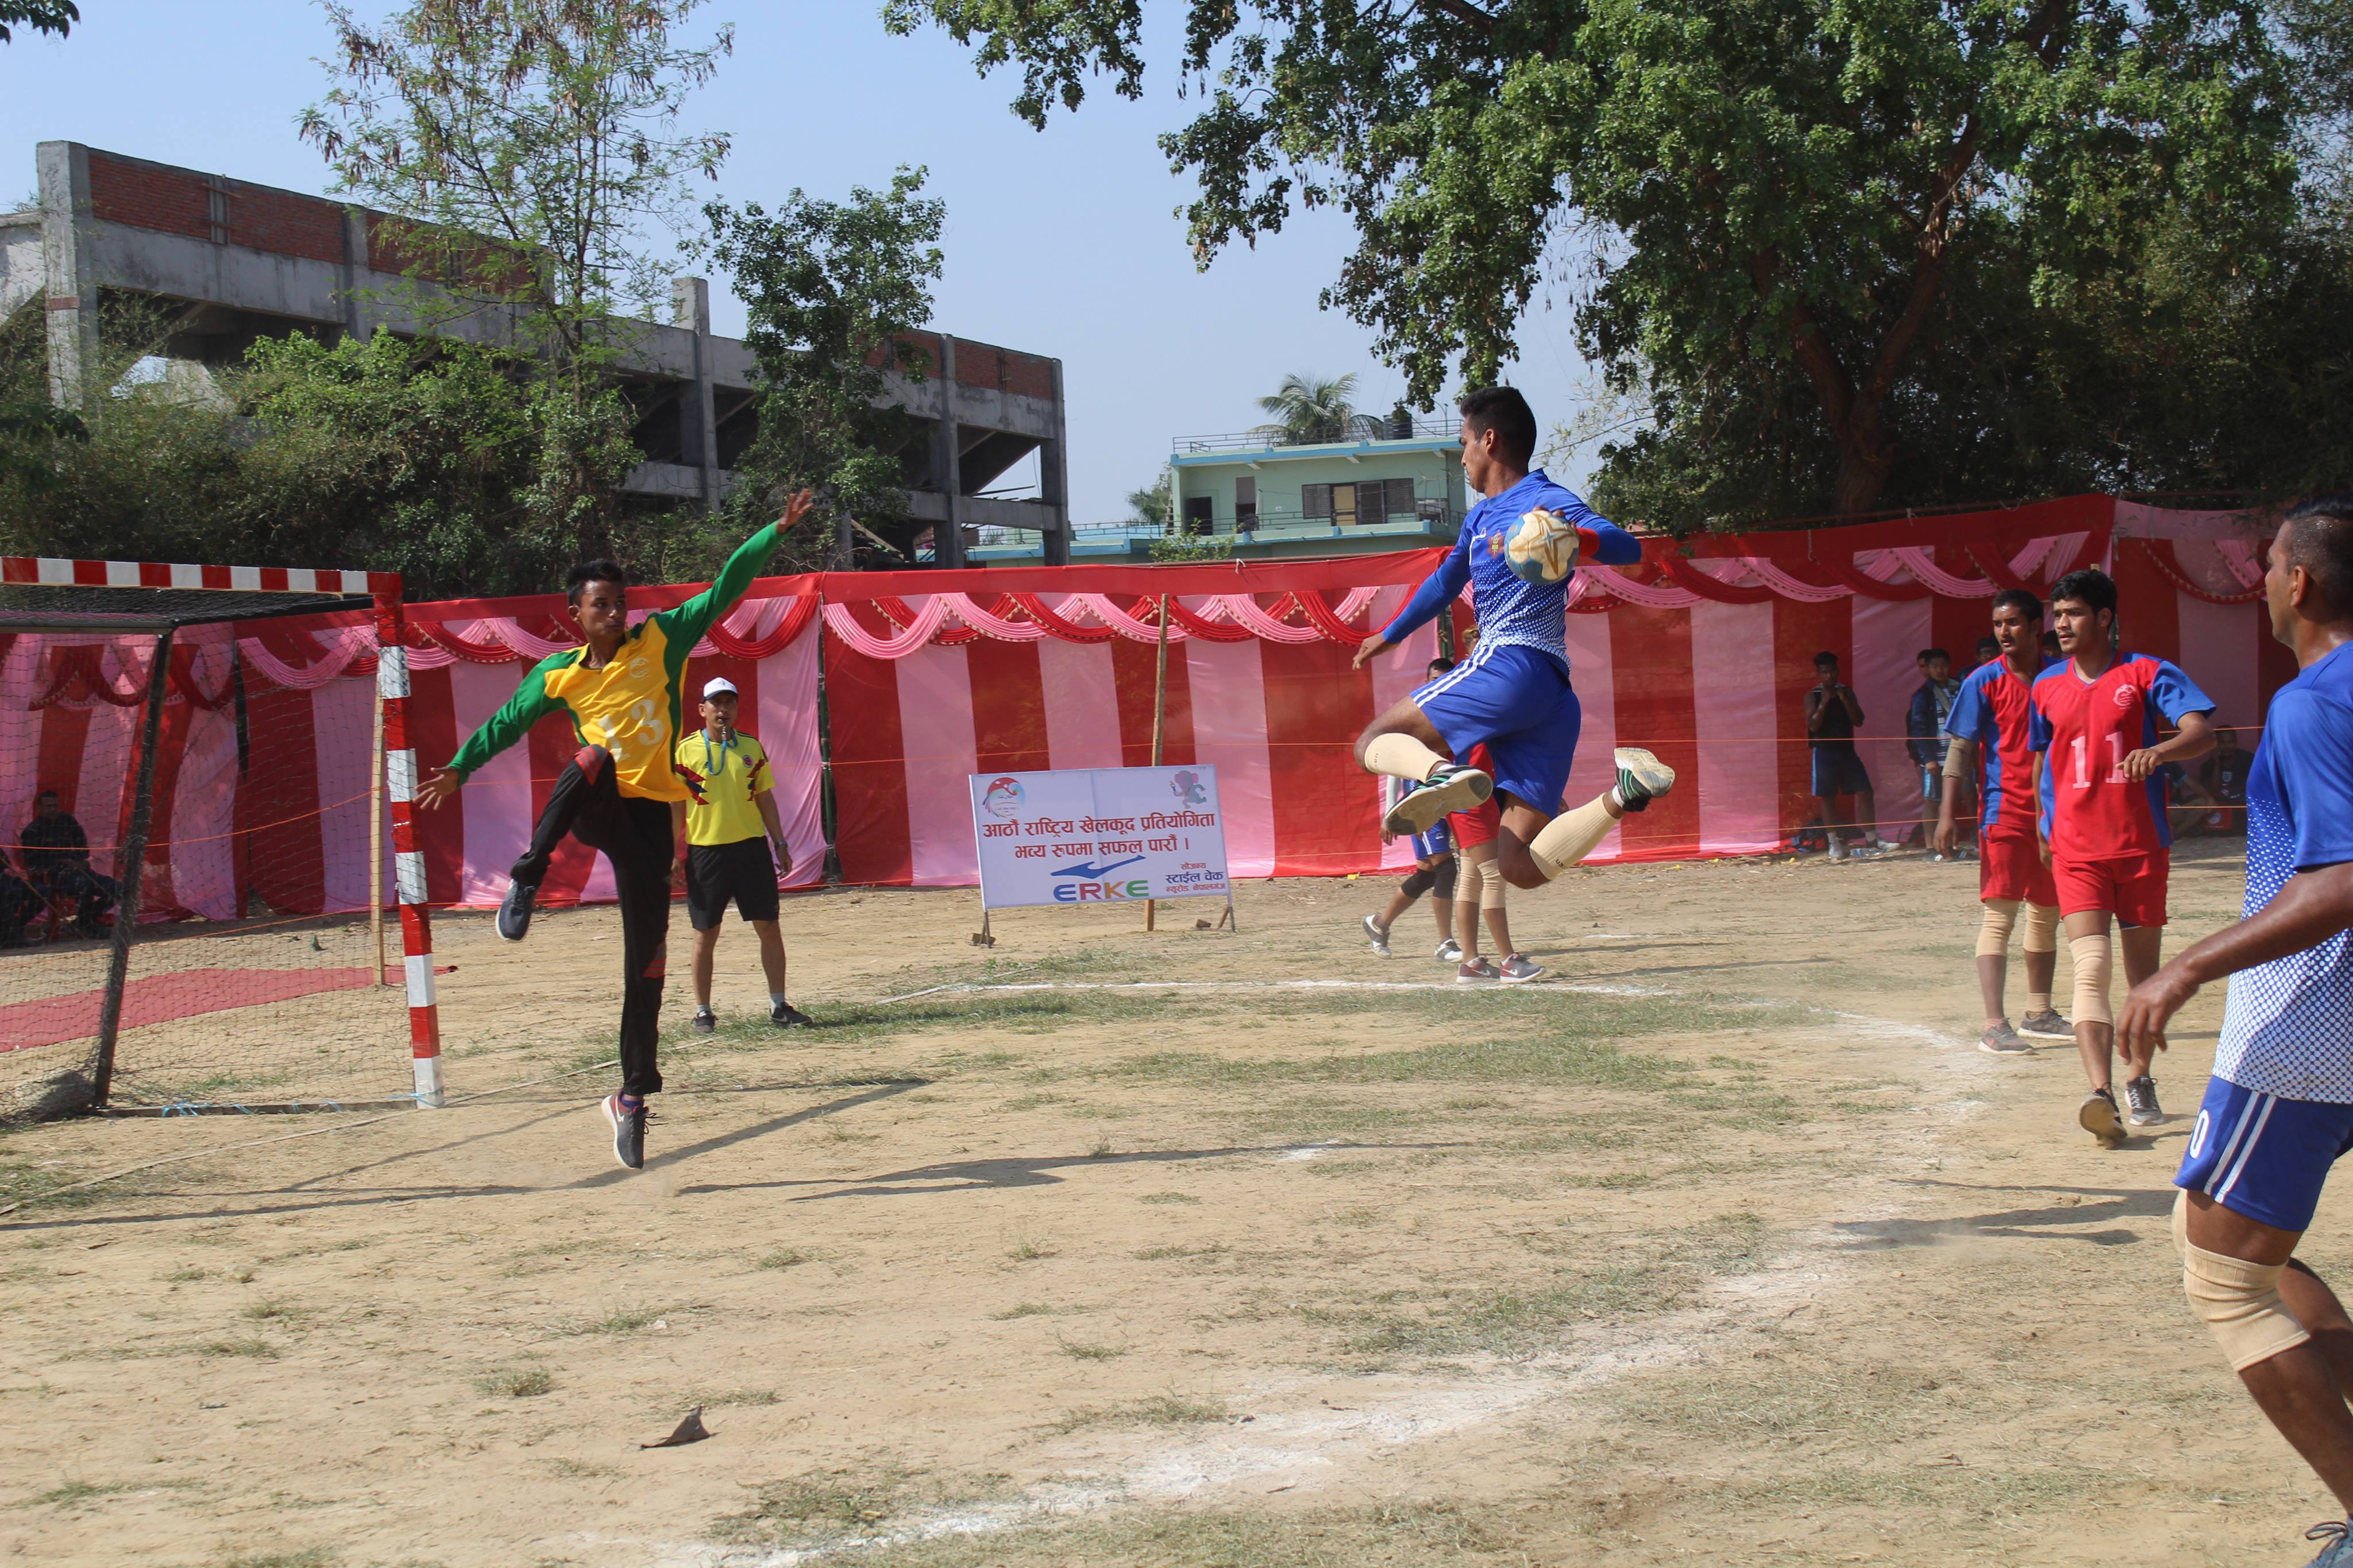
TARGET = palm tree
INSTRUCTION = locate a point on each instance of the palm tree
(1307, 411)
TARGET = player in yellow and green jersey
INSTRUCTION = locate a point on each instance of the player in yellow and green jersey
(620, 792)
(731, 820)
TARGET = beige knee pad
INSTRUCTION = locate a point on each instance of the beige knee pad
(1571, 836)
(2091, 958)
(2041, 928)
(1401, 756)
(2239, 1302)
(1491, 890)
(1993, 936)
(1470, 876)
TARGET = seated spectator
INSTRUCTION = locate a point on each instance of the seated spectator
(18, 905)
(56, 852)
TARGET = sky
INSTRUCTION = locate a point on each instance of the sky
(1063, 243)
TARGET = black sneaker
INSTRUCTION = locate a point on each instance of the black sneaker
(514, 909)
(705, 1021)
(785, 1015)
(629, 1131)
(2097, 1116)
(2140, 1099)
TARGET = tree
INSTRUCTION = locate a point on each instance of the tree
(1767, 209)
(56, 17)
(534, 146)
(1307, 410)
(1153, 505)
(831, 289)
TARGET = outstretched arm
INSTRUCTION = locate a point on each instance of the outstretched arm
(1437, 590)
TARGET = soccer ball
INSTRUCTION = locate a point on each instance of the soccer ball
(1541, 547)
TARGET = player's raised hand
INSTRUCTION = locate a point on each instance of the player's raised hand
(795, 509)
(2151, 1005)
(443, 785)
(1367, 648)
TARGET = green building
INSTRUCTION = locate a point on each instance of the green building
(1395, 485)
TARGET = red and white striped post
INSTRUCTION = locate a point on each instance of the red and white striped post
(407, 859)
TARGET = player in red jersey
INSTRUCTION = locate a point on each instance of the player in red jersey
(2099, 765)
(1989, 719)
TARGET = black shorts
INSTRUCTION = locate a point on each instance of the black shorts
(742, 872)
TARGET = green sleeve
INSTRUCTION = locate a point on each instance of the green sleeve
(528, 706)
(684, 625)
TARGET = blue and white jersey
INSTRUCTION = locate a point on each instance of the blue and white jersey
(2287, 1028)
(1511, 610)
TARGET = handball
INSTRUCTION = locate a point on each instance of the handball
(1541, 547)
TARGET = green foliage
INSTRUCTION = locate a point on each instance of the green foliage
(1179, 549)
(42, 15)
(1153, 505)
(1307, 410)
(830, 287)
(1910, 250)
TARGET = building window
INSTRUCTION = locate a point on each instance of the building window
(1245, 504)
(1372, 501)
(1399, 501)
(1198, 518)
(1315, 502)
(1343, 506)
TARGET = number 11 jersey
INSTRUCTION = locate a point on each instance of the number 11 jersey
(2084, 730)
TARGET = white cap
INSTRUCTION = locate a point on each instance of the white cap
(717, 684)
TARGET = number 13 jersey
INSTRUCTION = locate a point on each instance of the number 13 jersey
(2084, 730)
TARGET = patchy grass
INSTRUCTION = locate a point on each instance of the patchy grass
(1028, 1249)
(268, 1311)
(258, 1349)
(1397, 1535)
(817, 1505)
(1078, 1350)
(1160, 1410)
(784, 1257)
(516, 1382)
(1168, 1198)
(1030, 1309)
(302, 1557)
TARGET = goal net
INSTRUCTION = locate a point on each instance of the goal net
(201, 901)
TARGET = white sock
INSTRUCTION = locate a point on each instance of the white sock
(775, 998)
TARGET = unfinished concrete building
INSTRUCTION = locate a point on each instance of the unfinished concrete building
(227, 262)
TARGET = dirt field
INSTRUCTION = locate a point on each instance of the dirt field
(1192, 1248)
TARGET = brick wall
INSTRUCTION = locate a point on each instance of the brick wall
(170, 200)
(417, 251)
(1003, 370)
(179, 201)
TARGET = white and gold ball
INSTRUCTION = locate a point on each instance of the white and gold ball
(1541, 547)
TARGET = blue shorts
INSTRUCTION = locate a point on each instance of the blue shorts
(2263, 1156)
(1437, 841)
(1839, 773)
(1518, 701)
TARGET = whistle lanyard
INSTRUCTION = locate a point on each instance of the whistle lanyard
(725, 747)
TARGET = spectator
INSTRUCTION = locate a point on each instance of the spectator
(1924, 724)
(2225, 778)
(1433, 872)
(57, 863)
(1832, 710)
(1987, 651)
(2049, 648)
(18, 905)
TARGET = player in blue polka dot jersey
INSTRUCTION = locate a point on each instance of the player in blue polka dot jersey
(2279, 1108)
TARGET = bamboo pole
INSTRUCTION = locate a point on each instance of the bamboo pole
(1159, 723)
(375, 844)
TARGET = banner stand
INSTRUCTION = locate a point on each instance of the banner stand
(1159, 725)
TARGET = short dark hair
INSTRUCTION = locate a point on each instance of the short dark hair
(2021, 600)
(1823, 658)
(1989, 644)
(1503, 410)
(2088, 587)
(1440, 666)
(2320, 539)
(1928, 652)
(576, 581)
(47, 794)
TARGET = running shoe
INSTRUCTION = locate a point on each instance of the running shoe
(1378, 935)
(705, 1021)
(785, 1015)
(2140, 1101)
(2001, 1040)
(1451, 788)
(2338, 1551)
(1838, 849)
(1642, 778)
(2047, 1024)
(514, 909)
(629, 1131)
(1477, 972)
(1450, 951)
(2098, 1117)
(1517, 969)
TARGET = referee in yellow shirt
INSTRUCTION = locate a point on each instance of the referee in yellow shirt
(731, 820)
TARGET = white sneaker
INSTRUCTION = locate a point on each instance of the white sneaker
(1838, 849)
(1448, 952)
(1378, 935)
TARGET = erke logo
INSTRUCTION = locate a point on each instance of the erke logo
(1093, 891)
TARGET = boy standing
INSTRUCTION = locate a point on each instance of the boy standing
(2106, 837)
(1832, 710)
(731, 821)
(1924, 725)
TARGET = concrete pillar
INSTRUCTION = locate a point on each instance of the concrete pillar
(947, 539)
(70, 272)
(1054, 481)
(698, 421)
(357, 321)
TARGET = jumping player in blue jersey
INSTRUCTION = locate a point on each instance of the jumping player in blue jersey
(2279, 1108)
(1514, 693)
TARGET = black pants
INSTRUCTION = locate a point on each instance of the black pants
(18, 904)
(635, 837)
(92, 894)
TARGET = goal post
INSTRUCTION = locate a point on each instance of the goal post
(198, 768)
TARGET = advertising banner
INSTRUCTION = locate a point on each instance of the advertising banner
(1087, 836)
